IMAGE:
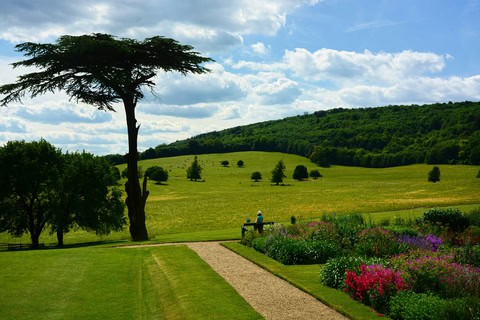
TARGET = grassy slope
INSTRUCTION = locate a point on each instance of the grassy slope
(216, 208)
(162, 283)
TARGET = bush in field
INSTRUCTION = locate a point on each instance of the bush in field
(156, 173)
(378, 242)
(434, 174)
(416, 306)
(224, 163)
(315, 174)
(453, 219)
(374, 285)
(256, 176)
(334, 271)
(300, 172)
(240, 163)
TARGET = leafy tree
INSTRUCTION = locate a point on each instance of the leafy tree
(85, 197)
(240, 163)
(256, 176)
(434, 174)
(157, 173)
(478, 174)
(194, 172)
(224, 163)
(28, 186)
(278, 172)
(315, 174)
(300, 172)
(102, 70)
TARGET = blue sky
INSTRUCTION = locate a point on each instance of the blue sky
(273, 59)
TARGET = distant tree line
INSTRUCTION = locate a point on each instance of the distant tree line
(369, 137)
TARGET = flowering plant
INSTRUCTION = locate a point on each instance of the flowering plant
(430, 242)
(374, 285)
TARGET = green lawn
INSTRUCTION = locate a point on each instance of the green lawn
(169, 282)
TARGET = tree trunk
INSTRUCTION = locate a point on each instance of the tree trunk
(60, 238)
(136, 197)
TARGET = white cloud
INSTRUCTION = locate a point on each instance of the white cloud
(217, 23)
(260, 48)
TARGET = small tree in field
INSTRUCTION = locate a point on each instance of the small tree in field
(434, 174)
(194, 172)
(478, 174)
(225, 163)
(315, 174)
(157, 173)
(278, 173)
(101, 70)
(256, 176)
(240, 163)
(300, 172)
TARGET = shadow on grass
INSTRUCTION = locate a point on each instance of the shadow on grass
(13, 247)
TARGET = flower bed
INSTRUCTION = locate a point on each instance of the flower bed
(431, 259)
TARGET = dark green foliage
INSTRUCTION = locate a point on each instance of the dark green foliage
(293, 219)
(370, 137)
(468, 255)
(156, 173)
(240, 164)
(453, 219)
(256, 176)
(194, 172)
(434, 174)
(416, 306)
(85, 197)
(39, 186)
(478, 174)
(278, 173)
(296, 251)
(139, 173)
(300, 172)
(315, 174)
(29, 177)
(474, 217)
(378, 242)
(334, 271)
(224, 163)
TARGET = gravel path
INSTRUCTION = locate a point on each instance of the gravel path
(271, 296)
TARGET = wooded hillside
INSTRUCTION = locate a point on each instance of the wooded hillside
(368, 137)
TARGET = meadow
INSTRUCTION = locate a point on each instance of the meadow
(216, 207)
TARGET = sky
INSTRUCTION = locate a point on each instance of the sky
(273, 59)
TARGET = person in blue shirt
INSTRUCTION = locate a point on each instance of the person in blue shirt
(259, 222)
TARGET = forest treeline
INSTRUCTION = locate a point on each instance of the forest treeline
(369, 137)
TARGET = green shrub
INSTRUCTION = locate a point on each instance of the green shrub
(468, 255)
(296, 250)
(416, 306)
(474, 217)
(462, 309)
(333, 272)
(453, 219)
(378, 242)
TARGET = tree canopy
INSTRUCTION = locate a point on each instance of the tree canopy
(100, 70)
(40, 187)
(194, 172)
(300, 172)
